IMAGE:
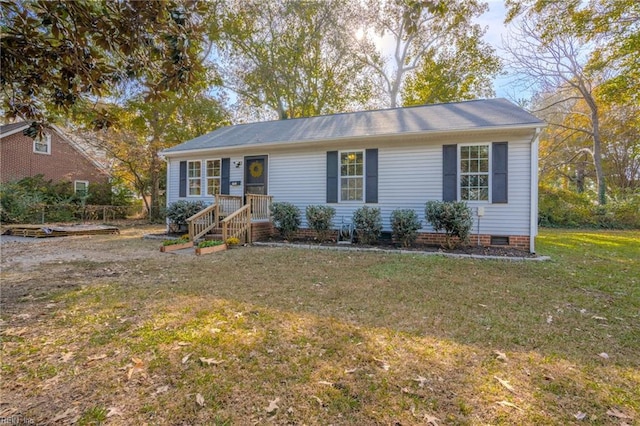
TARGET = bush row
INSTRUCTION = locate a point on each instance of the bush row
(454, 218)
(567, 209)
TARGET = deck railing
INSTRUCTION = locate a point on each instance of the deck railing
(260, 206)
(228, 204)
(203, 221)
(238, 224)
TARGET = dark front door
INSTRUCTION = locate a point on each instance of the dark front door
(255, 175)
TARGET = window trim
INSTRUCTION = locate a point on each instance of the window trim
(47, 142)
(489, 172)
(207, 177)
(189, 179)
(363, 176)
(75, 186)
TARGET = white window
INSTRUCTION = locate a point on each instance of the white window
(42, 144)
(194, 174)
(213, 176)
(474, 173)
(352, 176)
(81, 187)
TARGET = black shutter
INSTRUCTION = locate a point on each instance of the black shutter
(183, 179)
(332, 176)
(371, 184)
(224, 176)
(449, 173)
(499, 162)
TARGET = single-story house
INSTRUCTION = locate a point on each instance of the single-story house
(483, 152)
(53, 155)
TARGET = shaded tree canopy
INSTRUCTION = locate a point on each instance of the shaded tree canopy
(55, 53)
(293, 57)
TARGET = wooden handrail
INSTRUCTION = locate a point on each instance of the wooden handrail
(238, 224)
(228, 203)
(260, 206)
(203, 221)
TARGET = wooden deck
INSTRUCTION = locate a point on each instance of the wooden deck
(43, 231)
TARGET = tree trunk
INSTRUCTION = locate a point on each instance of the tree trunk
(154, 212)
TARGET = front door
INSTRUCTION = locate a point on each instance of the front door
(255, 175)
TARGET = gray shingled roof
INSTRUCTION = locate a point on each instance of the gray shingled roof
(478, 114)
(7, 128)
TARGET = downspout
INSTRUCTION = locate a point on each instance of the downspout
(533, 219)
(166, 193)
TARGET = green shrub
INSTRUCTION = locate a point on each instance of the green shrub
(320, 219)
(454, 217)
(405, 225)
(286, 218)
(562, 208)
(180, 211)
(367, 222)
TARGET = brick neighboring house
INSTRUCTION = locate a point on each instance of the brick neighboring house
(54, 156)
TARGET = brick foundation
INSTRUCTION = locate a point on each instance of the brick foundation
(264, 230)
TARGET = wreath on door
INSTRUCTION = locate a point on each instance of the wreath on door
(256, 169)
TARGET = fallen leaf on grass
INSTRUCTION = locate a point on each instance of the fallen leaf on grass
(614, 412)
(161, 389)
(138, 366)
(501, 356)
(318, 399)
(431, 420)
(15, 332)
(183, 343)
(509, 404)
(603, 355)
(324, 382)
(350, 370)
(421, 381)
(200, 400)
(96, 357)
(66, 357)
(64, 414)
(505, 383)
(382, 363)
(113, 411)
(186, 358)
(595, 317)
(549, 319)
(273, 406)
(210, 361)
(580, 415)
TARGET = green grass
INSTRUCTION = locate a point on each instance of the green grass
(341, 338)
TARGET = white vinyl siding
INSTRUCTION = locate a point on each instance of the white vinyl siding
(409, 174)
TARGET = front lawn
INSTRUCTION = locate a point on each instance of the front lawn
(289, 336)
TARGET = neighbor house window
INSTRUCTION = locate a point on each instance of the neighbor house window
(474, 173)
(352, 175)
(81, 187)
(213, 177)
(194, 173)
(42, 144)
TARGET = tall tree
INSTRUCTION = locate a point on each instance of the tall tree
(292, 56)
(55, 53)
(455, 73)
(141, 129)
(612, 25)
(424, 34)
(551, 60)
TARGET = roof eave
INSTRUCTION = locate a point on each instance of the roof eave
(14, 131)
(354, 138)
